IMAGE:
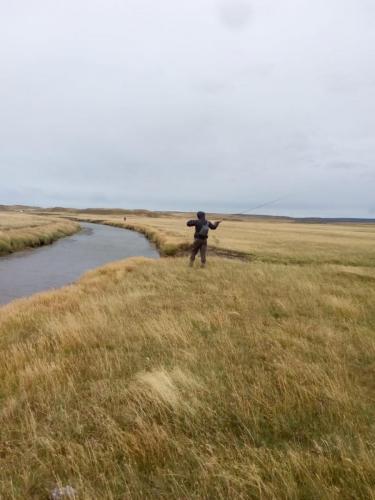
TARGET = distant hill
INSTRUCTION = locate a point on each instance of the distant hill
(334, 220)
(309, 220)
(108, 211)
(12, 208)
(155, 213)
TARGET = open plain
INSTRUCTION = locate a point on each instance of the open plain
(252, 378)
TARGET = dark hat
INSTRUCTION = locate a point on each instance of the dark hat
(201, 215)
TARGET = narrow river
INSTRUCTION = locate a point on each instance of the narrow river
(30, 271)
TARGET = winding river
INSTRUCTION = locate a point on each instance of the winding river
(30, 271)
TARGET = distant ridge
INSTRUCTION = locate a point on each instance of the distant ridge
(311, 220)
(157, 213)
(335, 220)
(10, 208)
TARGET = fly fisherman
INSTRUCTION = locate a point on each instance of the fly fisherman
(202, 226)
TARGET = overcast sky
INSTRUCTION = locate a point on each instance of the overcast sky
(185, 104)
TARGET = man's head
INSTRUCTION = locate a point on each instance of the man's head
(201, 215)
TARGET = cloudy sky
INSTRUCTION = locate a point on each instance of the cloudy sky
(184, 104)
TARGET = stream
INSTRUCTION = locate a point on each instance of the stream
(35, 270)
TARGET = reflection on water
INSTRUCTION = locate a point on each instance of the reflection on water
(31, 271)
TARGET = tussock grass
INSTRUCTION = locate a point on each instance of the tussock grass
(150, 380)
(19, 231)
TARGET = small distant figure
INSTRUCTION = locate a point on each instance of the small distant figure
(202, 226)
(125, 219)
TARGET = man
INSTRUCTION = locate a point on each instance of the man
(202, 226)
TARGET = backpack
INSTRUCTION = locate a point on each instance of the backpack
(203, 232)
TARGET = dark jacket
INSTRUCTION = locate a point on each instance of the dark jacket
(198, 223)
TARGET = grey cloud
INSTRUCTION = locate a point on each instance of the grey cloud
(235, 14)
(352, 81)
(214, 87)
(347, 165)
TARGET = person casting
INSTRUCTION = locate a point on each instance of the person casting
(202, 226)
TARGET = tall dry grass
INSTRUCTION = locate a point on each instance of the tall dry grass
(150, 380)
(19, 231)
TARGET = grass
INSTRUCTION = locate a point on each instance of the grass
(147, 379)
(19, 231)
(252, 378)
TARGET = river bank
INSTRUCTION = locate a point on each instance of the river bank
(19, 231)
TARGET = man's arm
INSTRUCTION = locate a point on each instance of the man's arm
(214, 225)
(191, 223)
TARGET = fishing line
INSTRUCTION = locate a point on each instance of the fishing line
(264, 205)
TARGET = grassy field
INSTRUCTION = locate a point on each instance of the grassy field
(20, 230)
(247, 379)
(267, 241)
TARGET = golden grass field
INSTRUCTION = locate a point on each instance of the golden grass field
(248, 379)
(259, 239)
(22, 230)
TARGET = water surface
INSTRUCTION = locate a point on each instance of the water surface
(30, 271)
